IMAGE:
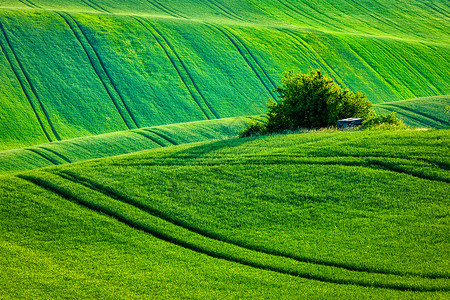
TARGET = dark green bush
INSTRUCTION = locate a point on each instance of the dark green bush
(388, 121)
(309, 101)
(313, 100)
(253, 128)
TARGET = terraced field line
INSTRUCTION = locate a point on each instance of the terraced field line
(419, 113)
(248, 58)
(227, 12)
(54, 162)
(181, 69)
(328, 68)
(27, 87)
(57, 154)
(101, 72)
(148, 137)
(29, 3)
(160, 214)
(170, 11)
(368, 64)
(167, 232)
(161, 136)
(95, 6)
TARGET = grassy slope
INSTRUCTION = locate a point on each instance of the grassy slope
(147, 63)
(111, 144)
(367, 210)
(424, 112)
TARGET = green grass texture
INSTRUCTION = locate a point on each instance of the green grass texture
(419, 113)
(86, 67)
(327, 214)
(117, 143)
(423, 112)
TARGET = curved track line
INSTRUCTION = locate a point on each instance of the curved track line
(161, 136)
(26, 85)
(224, 10)
(95, 6)
(148, 137)
(253, 66)
(232, 257)
(54, 162)
(182, 71)
(29, 4)
(57, 154)
(210, 235)
(170, 11)
(319, 58)
(100, 70)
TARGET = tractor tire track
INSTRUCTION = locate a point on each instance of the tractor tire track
(210, 235)
(217, 250)
(149, 137)
(248, 58)
(161, 136)
(443, 122)
(181, 69)
(319, 58)
(172, 12)
(54, 162)
(227, 12)
(57, 154)
(101, 72)
(29, 4)
(25, 83)
(95, 6)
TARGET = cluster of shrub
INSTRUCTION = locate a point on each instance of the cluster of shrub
(314, 100)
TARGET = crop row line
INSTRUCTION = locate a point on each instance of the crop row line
(225, 10)
(289, 160)
(46, 157)
(27, 86)
(160, 214)
(29, 4)
(181, 69)
(249, 58)
(170, 11)
(213, 248)
(321, 61)
(95, 6)
(149, 137)
(161, 136)
(101, 71)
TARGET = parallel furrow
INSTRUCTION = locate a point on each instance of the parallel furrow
(323, 64)
(95, 6)
(138, 219)
(250, 59)
(48, 158)
(160, 214)
(161, 136)
(101, 72)
(227, 12)
(167, 10)
(420, 113)
(148, 137)
(181, 69)
(25, 83)
(29, 3)
(57, 154)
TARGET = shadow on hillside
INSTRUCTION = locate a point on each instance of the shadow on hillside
(205, 149)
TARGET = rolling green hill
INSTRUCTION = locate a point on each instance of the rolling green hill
(323, 215)
(81, 68)
(116, 143)
(421, 113)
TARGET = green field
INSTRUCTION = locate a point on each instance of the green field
(121, 176)
(324, 214)
(81, 68)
